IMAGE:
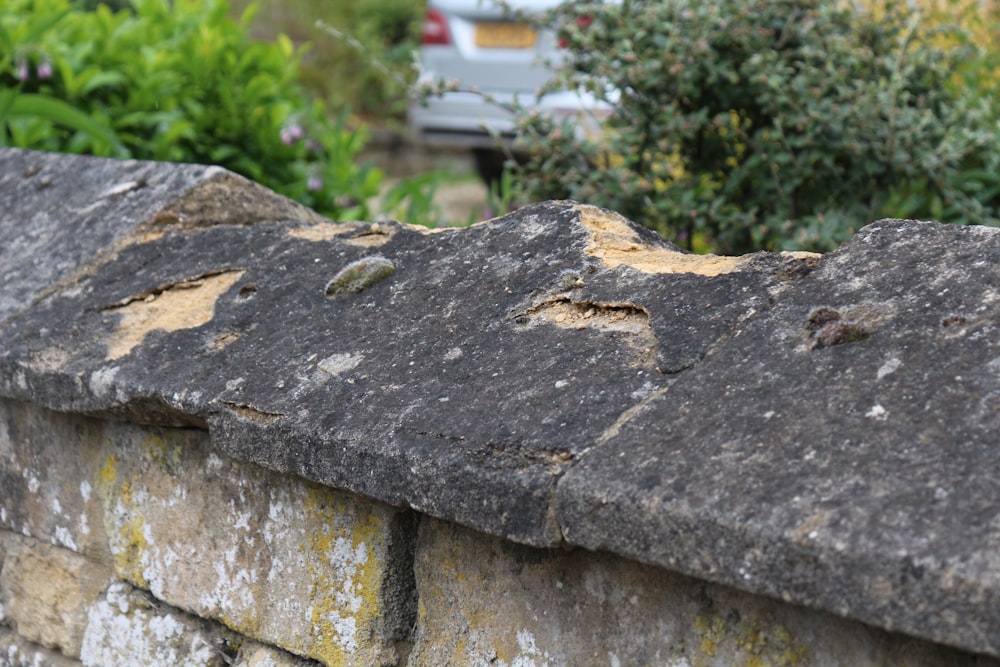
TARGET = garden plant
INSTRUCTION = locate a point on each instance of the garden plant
(741, 125)
(177, 80)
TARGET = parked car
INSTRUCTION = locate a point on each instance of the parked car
(478, 44)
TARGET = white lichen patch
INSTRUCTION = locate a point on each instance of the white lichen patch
(878, 413)
(33, 483)
(102, 380)
(338, 364)
(64, 537)
(890, 366)
(122, 630)
(530, 655)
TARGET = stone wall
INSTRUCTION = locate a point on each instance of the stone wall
(233, 433)
(127, 545)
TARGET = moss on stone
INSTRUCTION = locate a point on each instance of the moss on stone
(359, 275)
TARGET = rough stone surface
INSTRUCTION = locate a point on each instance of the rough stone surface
(49, 466)
(127, 627)
(816, 429)
(15, 651)
(45, 592)
(488, 602)
(858, 475)
(66, 214)
(319, 572)
(462, 383)
(253, 654)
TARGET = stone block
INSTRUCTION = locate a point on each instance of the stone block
(320, 573)
(839, 450)
(126, 627)
(484, 601)
(49, 464)
(15, 651)
(66, 214)
(317, 572)
(255, 654)
(819, 430)
(460, 374)
(46, 592)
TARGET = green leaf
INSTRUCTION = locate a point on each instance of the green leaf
(46, 23)
(6, 44)
(61, 113)
(103, 79)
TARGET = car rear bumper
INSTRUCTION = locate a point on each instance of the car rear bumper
(464, 119)
(460, 119)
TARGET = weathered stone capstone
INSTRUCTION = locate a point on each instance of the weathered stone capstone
(816, 430)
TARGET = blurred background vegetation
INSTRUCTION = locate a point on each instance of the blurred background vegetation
(742, 125)
(366, 67)
(260, 88)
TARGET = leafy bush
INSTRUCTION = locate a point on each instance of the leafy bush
(174, 80)
(362, 59)
(765, 124)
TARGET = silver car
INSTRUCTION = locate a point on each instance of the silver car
(478, 44)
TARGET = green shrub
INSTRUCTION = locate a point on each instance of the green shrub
(765, 124)
(362, 60)
(174, 80)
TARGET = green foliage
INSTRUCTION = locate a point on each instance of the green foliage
(361, 58)
(179, 81)
(765, 124)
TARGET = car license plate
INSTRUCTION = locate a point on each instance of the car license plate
(505, 35)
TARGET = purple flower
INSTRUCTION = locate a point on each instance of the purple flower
(291, 133)
(22, 70)
(44, 70)
(314, 183)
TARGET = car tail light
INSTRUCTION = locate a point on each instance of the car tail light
(435, 29)
(581, 23)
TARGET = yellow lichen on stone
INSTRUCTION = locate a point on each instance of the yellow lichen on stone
(345, 569)
(132, 543)
(711, 632)
(751, 643)
(107, 476)
(159, 451)
(123, 524)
